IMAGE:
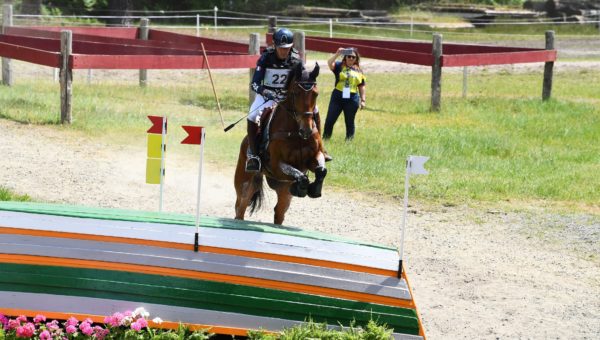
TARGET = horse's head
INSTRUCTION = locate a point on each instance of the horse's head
(301, 99)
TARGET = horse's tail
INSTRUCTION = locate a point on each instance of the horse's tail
(257, 198)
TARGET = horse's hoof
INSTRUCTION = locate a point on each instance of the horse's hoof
(299, 188)
(314, 189)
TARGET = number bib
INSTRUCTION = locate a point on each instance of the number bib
(276, 78)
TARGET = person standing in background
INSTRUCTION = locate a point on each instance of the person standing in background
(348, 94)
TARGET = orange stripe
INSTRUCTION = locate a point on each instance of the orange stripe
(100, 320)
(208, 249)
(421, 329)
(293, 287)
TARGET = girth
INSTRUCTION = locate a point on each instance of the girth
(288, 134)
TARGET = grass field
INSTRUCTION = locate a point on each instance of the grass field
(501, 143)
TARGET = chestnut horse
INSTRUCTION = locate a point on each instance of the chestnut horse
(293, 149)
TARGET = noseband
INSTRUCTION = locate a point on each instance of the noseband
(306, 87)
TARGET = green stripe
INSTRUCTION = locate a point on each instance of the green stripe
(200, 294)
(171, 218)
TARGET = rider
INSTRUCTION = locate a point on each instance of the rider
(269, 82)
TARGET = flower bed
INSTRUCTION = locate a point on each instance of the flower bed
(127, 325)
(135, 326)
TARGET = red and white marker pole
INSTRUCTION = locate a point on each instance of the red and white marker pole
(196, 135)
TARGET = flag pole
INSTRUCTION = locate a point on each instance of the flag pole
(406, 178)
(196, 236)
(162, 161)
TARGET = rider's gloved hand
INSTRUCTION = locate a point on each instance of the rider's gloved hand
(269, 94)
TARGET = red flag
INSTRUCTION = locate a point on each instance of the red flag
(194, 134)
(156, 124)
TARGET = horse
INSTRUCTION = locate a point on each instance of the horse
(293, 149)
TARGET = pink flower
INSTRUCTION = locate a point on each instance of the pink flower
(71, 329)
(39, 318)
(100, 333)
(143, 322)
(22, 318)
(3, 321)
(26, 331)
(86, 328)
(114, 320)
(45, 335)
(12, 324)
(136, 326)
(72, 321)
(52, 326)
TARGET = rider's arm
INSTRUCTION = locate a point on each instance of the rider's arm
(331, 61)
(259, 75)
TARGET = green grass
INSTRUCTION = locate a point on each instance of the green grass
(501, 143)
(7, 195)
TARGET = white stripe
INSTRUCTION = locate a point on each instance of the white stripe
(352, 254)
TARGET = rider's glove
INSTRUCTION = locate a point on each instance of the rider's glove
(269, 94)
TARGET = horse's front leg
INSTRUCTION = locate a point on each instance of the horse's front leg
(300, 186)
(314, 188)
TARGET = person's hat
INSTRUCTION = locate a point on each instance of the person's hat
(283, 37)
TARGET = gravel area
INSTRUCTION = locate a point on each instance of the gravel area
(484, 272)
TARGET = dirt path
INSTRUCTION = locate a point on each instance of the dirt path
(476, 272)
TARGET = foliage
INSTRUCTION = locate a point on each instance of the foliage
(119, 326)
(312, 330)
(7, 195)
(261, 7)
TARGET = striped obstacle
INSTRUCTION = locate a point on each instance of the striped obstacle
(89, 262)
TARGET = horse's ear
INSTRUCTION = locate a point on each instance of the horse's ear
(315, 72)
(298, 71)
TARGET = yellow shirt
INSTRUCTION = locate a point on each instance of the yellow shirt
(350, 77)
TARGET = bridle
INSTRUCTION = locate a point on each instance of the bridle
(305, 86)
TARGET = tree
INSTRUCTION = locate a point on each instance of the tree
(120, 8)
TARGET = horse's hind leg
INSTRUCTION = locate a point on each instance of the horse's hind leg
(284, 198)
(243, 184)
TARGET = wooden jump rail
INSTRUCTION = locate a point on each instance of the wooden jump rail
(438, 55)
(69, 48)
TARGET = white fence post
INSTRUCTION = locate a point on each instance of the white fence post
(253, 49)
(548, 68)
(436, 72)
(216, 10)
(197, 25)
(7, 21)
(144, 36)
(66, 76)
(330, 28)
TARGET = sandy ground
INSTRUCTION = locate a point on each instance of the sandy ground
(477, 272)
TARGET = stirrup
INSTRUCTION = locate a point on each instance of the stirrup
(248, 163)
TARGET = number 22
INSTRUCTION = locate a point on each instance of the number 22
(279, 79)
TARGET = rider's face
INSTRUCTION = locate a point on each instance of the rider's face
(282, 52)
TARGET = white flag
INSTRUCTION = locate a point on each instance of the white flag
(414, 165)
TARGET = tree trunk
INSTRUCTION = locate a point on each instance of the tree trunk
(120, 8)
(31, 6)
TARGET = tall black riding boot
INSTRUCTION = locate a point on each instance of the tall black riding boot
(253, 161)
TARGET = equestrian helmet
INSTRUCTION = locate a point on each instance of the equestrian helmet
(283, 38)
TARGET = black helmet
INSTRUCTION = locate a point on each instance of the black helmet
(283, 37)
